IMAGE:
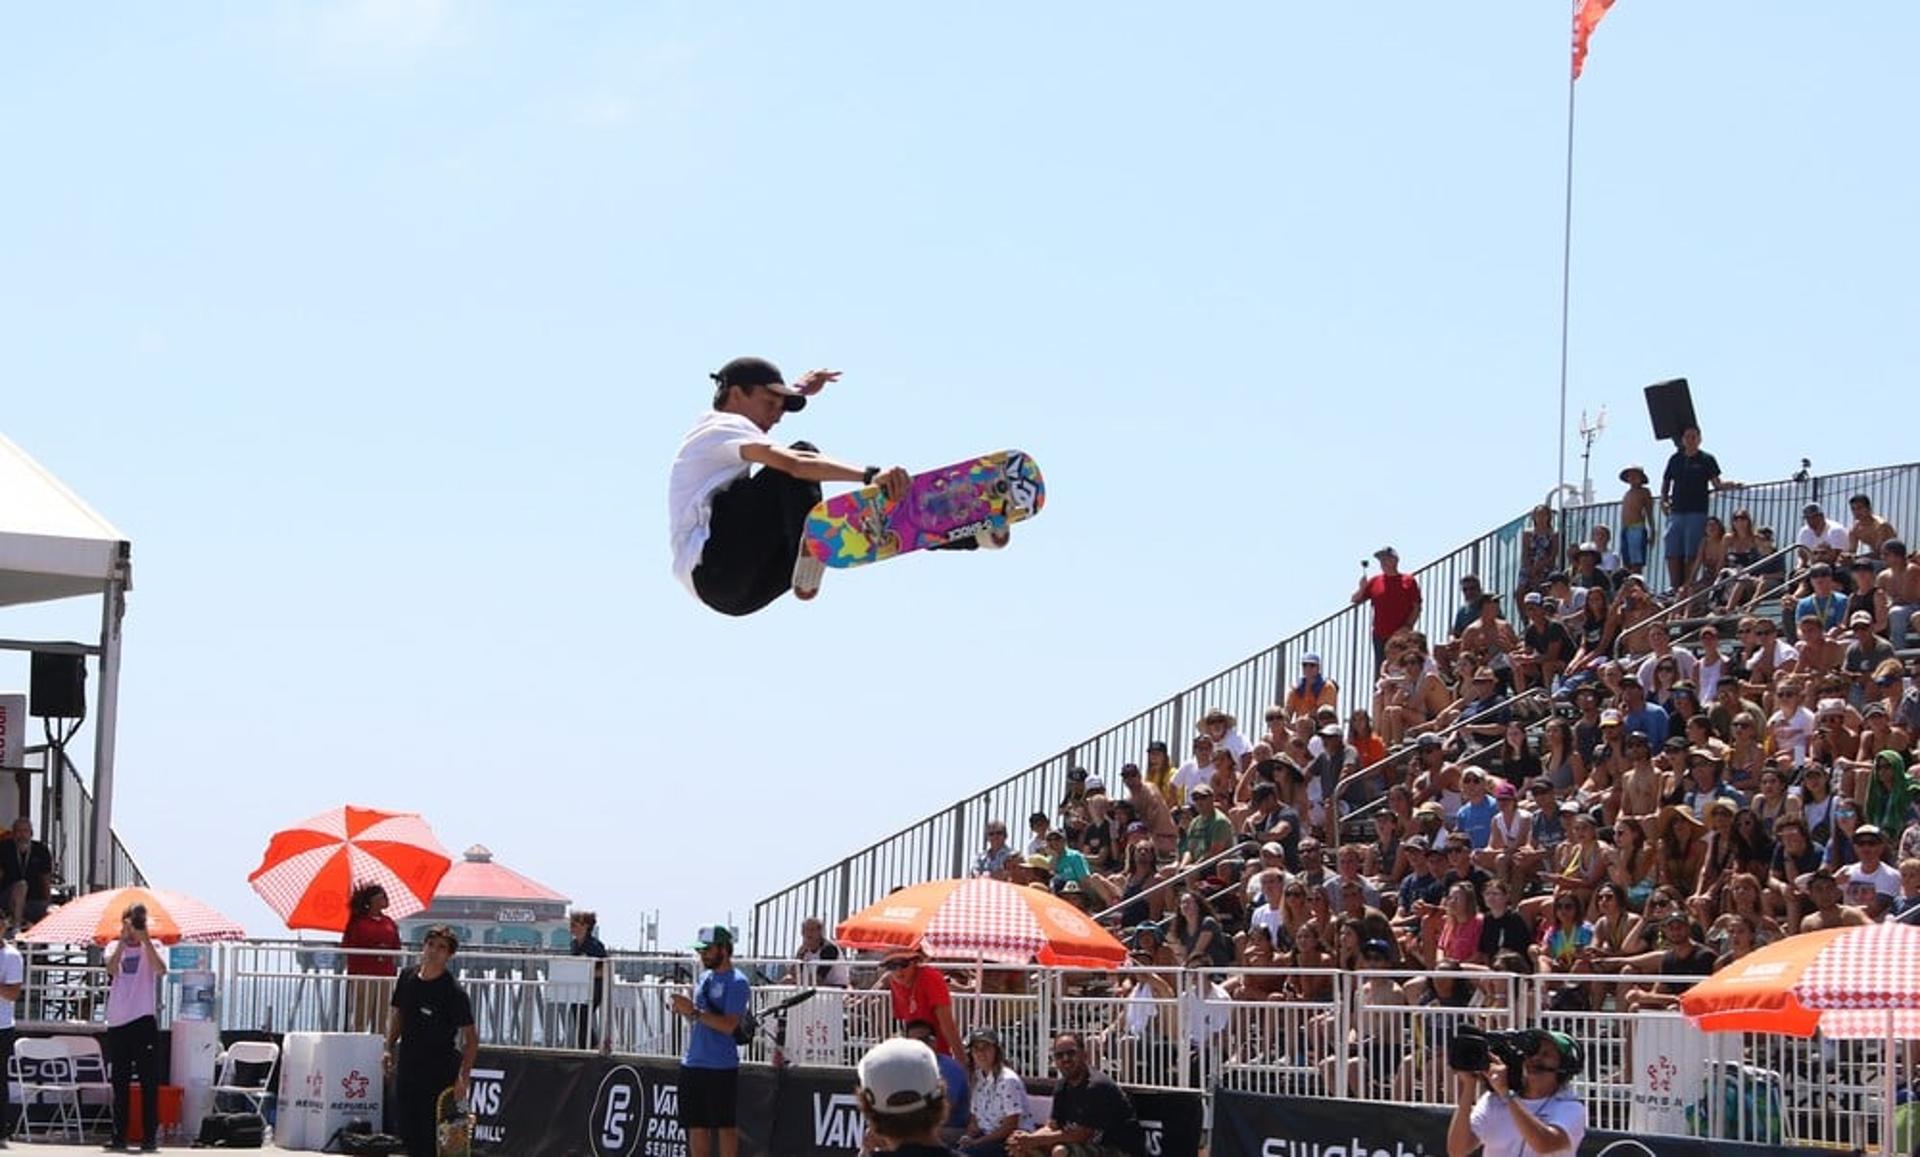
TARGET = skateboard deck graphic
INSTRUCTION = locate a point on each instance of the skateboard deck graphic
(978, 499)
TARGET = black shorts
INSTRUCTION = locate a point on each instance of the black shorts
(708, 1097)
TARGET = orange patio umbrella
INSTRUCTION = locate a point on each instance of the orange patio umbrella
(983, 919)
(1858, 983)
(95, 919)
(311, 869)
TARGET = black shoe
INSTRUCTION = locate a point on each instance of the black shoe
(809, 447)
(150, 1147)
(114, 1147)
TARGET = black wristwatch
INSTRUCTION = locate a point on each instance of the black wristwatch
(868, 475)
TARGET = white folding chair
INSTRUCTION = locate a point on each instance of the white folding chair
(252, 1084)
(90, 1076)
(44, 1072)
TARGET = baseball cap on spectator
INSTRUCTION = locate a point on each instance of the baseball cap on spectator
(1272, 848)
(1820, 570)
(1201, 789)
(1076, 774)
(1429, 740)
(1129, 771)
(1537, 786)
(1310, 659)
(1386, 552)
(1610, 717)
(1559, 576)
(1874, 708)
(1587, 548)
(1415, 843)
(1377, 949)
(1570, 808)
(1261, 790)
(710, 935)
(983, 1036)
(1095, 783)
(1894, 546)
(1159, 745)
(1869, 832)
(1811, 508)
(758, 372)
(1503, 790)
(1332, 731)
(1146, 928)
(1832, 707)
(1533, 599)
(1675, 743)
(1863, 563)
(899, 1076)
(1861, 618)
(1459, 840)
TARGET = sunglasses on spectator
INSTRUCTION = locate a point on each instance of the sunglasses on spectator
(1296, 893)
(1063, 1054)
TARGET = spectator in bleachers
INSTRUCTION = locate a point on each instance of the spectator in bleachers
(1312, 689)
(1869, 533)
(1682, 957)
(1636, 519)
(1909, 901)
(1636, 714)
(953, 1080)
(1198, 768)
(1153, 810)
(1199, 939)
(1586, 571)
(1900, 581)
(1092, 1116)
(992, 860)
(1690, 473)
(1513, 761)
(820, 958)
(1864, 654)
(1547, 646)
(1469, 608)
(1869, 883)
(1159, 773)
(1864, 596)
(1393, 597)
(1209, 834)
(1742, 937)
(1823, 889)
(1819, 540)
(1223, 729)
(369, 931)
(1540, 549)
(1825, 603)
(1040, 823)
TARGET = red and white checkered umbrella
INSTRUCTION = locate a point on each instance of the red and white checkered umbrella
(95, 919)
(1847, 983)
(311, 869)
(983, 919)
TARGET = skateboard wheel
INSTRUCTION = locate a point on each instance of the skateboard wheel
(807, 573)
(993, 539)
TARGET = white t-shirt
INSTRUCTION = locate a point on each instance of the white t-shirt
(1493, 1123)
(13, 970)
(1857, 885)
(1192, 775)
(709, 459)
(1792, 732)
(1833, 536)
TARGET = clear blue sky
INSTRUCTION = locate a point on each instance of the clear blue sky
(375, 325)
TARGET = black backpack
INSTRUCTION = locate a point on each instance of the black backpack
(232, 1131)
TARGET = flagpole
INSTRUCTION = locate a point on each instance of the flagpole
(1566, 283)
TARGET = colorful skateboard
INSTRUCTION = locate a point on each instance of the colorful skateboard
(453, 1125)
(977, 499)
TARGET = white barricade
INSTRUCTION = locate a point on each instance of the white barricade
(335, 1078)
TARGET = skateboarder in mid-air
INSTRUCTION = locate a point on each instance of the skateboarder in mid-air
(736, 530)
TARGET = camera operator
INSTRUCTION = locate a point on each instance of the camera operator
(1542, 1117)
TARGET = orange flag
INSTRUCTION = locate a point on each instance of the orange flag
(1586, 18)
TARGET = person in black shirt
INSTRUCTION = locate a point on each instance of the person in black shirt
(582, 926)
(26, 869)
(1090, 1113)
(431, 1042)
(1689, 475)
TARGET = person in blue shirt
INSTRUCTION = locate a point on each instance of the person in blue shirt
(1639, 715)
(1826, 603)
(953, 1075)
(710, 1068)
(1475, 816)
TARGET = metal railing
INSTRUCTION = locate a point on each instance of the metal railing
(942, 845)
(63, 815)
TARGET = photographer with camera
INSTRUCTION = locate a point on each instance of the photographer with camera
(133, 1027)
(1537, 1118)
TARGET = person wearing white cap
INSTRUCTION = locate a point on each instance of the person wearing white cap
(737, 532)
(1312, 690)
(902, 1098)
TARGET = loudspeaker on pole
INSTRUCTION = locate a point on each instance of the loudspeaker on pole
(57, 687)
(1670, 406)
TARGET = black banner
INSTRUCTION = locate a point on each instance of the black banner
(553, 1104)
(1250, 1125)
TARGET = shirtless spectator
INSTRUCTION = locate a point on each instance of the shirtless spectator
(1636, 519)
(1818, 539)
(1394, 597)
(1901, 582)
(1869, 533)
(1823, 888)
(1153, 812)
(1489, 639)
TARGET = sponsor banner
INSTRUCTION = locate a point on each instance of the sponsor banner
(542, 1104)
(1669, 1058)
(1249, 1125)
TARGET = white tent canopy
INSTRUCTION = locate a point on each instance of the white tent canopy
(52, 545)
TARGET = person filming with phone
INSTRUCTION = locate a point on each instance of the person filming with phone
(133, 1029)
(1535, 1116)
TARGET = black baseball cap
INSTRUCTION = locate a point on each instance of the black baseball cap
(758, 372)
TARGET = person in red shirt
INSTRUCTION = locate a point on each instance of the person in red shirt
(369, 927)
(921, 993)
(1395, 598)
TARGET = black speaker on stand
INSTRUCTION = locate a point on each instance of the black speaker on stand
(58, 686)
(1670, 406)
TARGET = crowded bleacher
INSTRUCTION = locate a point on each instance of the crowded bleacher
(1607, 766)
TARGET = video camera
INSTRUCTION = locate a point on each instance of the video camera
(1472, 1049)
